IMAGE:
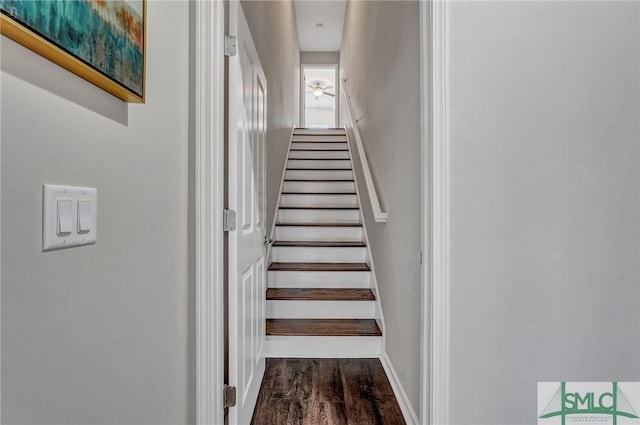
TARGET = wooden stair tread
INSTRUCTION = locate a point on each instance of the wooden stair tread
(318, 193)
(322, 244)
(318, 180)
(320, 267)
(323, 327)
(319, 208)
(319, 169)
(320, 224)
(317, 150)
(318, 131)
(320, 294)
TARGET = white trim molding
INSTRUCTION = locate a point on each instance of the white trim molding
(209, 190)
(435, 188)
(409, 414)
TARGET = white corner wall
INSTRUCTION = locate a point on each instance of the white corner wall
(275, 34)
(97, 334)
(380, 58)
(544, 120)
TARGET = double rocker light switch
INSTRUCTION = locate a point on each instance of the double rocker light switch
(68, 216)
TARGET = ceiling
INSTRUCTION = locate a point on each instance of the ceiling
(329, 13)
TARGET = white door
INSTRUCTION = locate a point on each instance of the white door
(247, 269)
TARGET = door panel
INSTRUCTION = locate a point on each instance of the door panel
(247, 137)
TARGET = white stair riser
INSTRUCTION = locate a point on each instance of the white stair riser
(318, 187)
(319, 216)
(303, 254)
(319, 163)
(291, 279)
(319, 145)
(294, 233)
(333, 131)
(323, 346)
(279, 309)
(319, 154)
(287, 200)
(319, 174)
(320, 139)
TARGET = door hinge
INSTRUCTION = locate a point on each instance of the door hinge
(229, 396)
(230, 45)
(421, 257)
(228, 220)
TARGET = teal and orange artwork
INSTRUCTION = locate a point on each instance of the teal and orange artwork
(107, 35)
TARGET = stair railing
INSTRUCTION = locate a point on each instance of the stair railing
(378, 214)
(268, 240)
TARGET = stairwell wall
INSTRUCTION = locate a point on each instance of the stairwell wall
(275, 35)
(380, 58)
(545, 167)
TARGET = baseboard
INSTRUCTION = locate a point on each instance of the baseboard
(405, 405)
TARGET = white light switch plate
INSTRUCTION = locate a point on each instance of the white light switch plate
(52, 238)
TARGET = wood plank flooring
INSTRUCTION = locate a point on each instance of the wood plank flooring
(326, 392)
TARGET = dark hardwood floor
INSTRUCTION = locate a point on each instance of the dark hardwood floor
(326, 392)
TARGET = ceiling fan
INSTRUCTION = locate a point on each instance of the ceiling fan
(318, 90)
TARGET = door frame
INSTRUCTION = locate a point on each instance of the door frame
(435, 188)
(209, 203)
(336, 87)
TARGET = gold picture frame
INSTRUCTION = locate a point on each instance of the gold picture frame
(12, 27)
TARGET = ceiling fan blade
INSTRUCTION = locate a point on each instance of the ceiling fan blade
(327, 88)
(330, 94)
(310, 86)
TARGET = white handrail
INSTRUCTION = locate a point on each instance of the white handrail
(378, 215)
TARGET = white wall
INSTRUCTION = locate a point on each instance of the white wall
(274, 32)
(380, 49)
(97, 334)
(544, 201)
(319, 58)
(320, 116)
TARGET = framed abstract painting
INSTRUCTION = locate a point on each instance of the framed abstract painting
(102, 41)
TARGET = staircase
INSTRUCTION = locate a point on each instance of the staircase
(320, 301)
